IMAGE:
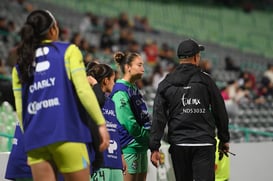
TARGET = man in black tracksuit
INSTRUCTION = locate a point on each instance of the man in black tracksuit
(190, 102)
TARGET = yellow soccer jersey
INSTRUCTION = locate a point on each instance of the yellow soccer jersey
(76, 73)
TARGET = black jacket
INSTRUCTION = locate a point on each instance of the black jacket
(191, 103)
(93, 127)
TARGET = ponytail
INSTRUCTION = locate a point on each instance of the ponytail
(33, 32)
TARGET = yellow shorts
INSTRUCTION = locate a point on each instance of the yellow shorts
(68, 156)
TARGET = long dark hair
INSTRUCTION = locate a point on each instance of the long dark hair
(100, 71)
(33, 32)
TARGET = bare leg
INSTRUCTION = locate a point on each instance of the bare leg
(43, 172)
(130, 177)
(135, 177)
(82, 175)
(141, 176)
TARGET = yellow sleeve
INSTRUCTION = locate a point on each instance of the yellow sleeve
(17, 92)
(76, 72)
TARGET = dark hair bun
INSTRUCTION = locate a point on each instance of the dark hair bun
(119, 57)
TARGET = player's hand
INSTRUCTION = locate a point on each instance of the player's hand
(104, 135)
(223, 150)
(124, 165)
(155, 158)
(92, 81)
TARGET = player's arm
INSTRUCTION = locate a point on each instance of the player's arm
(17, 92)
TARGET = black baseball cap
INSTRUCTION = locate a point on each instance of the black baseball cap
(189, 48)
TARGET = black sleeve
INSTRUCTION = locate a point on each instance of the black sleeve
(98, 162)
(219, 113)
(159, 122)
(93, 127)
(99, 94)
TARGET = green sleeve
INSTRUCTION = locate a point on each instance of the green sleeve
(76, 72)
(126, 117)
